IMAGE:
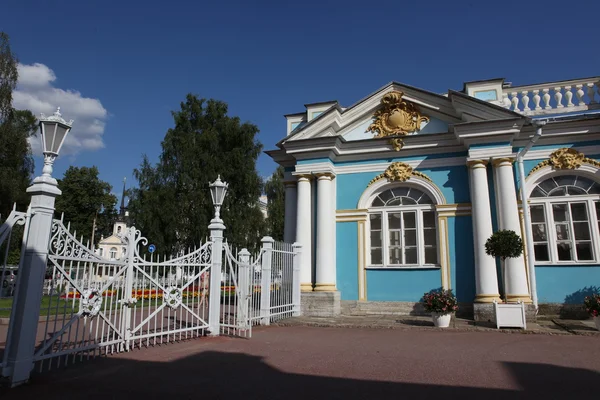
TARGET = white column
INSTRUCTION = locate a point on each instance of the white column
(289, 226)
(515, 277)
(325, 274)
(486, 279)
(304, 231)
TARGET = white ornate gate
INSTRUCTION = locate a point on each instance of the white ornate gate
(101, 307)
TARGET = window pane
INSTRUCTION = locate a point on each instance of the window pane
(537, 213)
(377, 202)
(566, 180)
(430, 255)
(583, 183)
(394, 202)
(375, 238)
(411, 255)
(558, 192)
(547, 185)
(415, 194)
(376, 257)
(387, 195)
(408, 200)
(410, 220)
(375, 221)
(575, 191)
(410, 238)
(429, 219)
(429, 237)
(395, 238)
(539, 233)
(394, 220)
(597, 204)
(595, 189)
(584, 251)
(562, 232)
(564, 251)
(541, 252)
(537, 193)
(582, 230)
(560, 212)
(579, 212)
(396, 256)
(400, 192)
(425, 200)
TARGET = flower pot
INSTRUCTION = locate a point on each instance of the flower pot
(441, 320)
(597, 322)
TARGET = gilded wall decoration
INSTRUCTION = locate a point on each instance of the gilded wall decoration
(399, 172)
(565, 158)
(396, 118)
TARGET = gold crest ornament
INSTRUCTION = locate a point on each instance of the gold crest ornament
(565, 158)
(396, 117)
(399, 171)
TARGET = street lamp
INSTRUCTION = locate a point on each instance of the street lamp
(54, 131)
(218, 190)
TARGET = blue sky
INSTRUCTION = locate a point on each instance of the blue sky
(124, 65)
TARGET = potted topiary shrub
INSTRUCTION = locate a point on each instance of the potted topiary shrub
(505, 244)
(592, 305)
(441, 304)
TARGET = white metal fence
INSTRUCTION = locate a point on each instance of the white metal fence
(84, 305)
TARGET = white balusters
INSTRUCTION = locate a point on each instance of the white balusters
(536, 99)
(514, 98)
(525, 100)
(505, 101)
(569, 96)
(546, 96)
(580, 94)
(558, 96)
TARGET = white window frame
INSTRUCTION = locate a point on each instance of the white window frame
(385, 240)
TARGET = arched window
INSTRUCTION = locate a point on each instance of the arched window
(403, 230)
(570, 204)
(113, 253)
(118, 229)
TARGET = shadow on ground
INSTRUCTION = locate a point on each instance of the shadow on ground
(222, 375)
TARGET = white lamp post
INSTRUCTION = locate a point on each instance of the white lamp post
(22, 334)
(54, 131)
(218, 190)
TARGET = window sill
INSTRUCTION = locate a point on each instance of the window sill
(567, 264)
(388, 267)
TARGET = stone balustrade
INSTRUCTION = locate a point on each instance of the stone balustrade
(554, 97)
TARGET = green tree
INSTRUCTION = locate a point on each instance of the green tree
(85, 197)
(16, 126)
(275, 191)
(172, 204)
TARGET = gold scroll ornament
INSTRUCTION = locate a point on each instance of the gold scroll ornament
(565, 158)
(396, 118)
(399, 171)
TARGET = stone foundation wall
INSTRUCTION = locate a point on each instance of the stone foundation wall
(320, 304)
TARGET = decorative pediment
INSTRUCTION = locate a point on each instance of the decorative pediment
(399, 172)
(565, 158)
(396, 118)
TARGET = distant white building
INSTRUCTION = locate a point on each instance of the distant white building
(262, 203)
(113, 247)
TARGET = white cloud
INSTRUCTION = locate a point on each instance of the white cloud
(36, 92)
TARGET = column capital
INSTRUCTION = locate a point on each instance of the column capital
(324, 175)
(304, 177)
(477, 163)
(497, 162)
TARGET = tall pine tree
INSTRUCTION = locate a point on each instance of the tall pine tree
(172, 204)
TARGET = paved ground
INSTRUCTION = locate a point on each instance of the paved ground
(333, 363)
(543, 325)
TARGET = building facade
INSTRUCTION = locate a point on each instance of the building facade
(114, 247)
(397, 194)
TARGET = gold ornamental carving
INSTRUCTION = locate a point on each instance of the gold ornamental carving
(399, 172)
(565, 158)
(396, 118)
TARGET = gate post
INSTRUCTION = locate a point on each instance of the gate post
(216, 228)
(296, 310)
(265, 282)
(243, 319)
(27, 301)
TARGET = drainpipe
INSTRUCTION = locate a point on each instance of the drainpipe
(526, 215)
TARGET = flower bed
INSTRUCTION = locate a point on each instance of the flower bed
(77, 295)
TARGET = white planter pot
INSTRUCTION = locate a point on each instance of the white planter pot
(597, 322)
(441, 320)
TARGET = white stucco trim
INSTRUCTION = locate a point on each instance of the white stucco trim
(377, 187)
(586, 170)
